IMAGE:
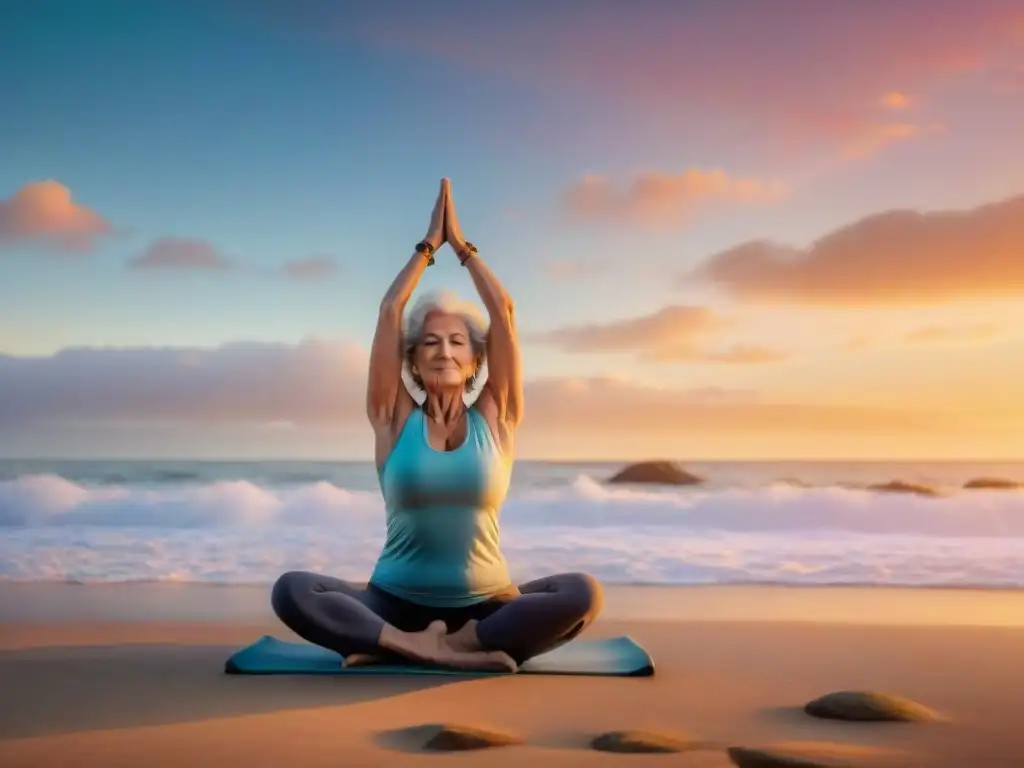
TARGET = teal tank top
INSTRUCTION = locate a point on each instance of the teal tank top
(443, 539)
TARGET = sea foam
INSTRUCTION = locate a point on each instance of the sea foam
(239, 531)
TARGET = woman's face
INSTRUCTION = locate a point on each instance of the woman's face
(444, 357)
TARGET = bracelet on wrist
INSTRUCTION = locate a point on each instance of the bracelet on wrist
(426, 250)
(467, 253)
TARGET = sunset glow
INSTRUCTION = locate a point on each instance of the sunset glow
(730, 230)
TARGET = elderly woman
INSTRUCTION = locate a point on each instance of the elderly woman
(440, 592)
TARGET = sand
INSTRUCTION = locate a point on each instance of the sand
(136, 688)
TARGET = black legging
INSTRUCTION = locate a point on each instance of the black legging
(525, 622)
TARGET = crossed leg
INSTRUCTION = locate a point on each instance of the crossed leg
(498, 633)
(352, 620)
(546, 614)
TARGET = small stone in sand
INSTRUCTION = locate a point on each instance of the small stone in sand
(639, 742)
(457, 738)
(869, 706)
(814, 755)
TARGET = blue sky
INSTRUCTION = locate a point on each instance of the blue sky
(276, 133)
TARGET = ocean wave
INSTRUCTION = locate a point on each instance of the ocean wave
(49, 500)
(241, 532)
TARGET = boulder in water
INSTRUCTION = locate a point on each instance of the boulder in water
(993, 484)
(899, 486)
(655, 472)
(869, 706)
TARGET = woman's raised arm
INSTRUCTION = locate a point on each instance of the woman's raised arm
(384, 388)
(504, 389)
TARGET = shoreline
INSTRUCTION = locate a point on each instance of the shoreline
(69, 602)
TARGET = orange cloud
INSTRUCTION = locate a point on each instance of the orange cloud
(314, 268)
(674, 334)
(575, 404)
(852, 133)
(667, 329)
(945, 333)
(743, 354)
(877, 137)
(896, 100)
(42, 212)
(183, 253)
(897, 257)
(654, 197)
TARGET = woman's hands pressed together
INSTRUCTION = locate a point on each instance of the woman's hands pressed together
(453, 232)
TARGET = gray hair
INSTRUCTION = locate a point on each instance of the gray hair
(446, 303)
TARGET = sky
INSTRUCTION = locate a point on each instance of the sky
(733, 230)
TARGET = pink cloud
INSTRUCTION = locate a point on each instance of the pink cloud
(896, 257)
(321, 383)
(668, 328)
(674, 334)
(663, 198)
(43, 212)
(314, 268)
(180, 253)
(247, 382)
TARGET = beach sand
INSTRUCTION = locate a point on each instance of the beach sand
(119, 683)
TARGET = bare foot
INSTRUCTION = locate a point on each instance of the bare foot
(465, 638)
(432, 647)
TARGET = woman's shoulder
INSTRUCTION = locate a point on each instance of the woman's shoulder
(501, 435)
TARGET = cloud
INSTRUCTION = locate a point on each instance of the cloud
(314, 268)
(43, 213)
(180, 253)
(617, 405)
(851, 133)
(660, 198)
(309, 383)
(946, 333)
(668, 328)
(896, 257)
(896, 100)
(673, 334)
(876, 137)
(743, 354)
(320, 383)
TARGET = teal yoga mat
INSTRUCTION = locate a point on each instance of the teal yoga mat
(611, 657)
